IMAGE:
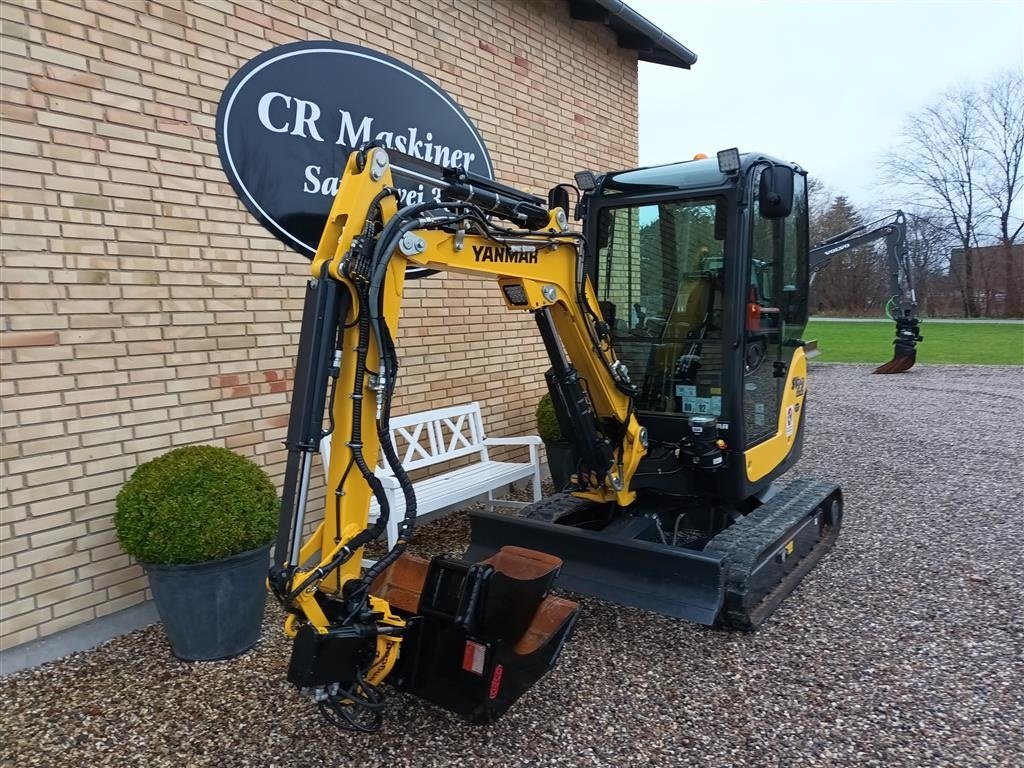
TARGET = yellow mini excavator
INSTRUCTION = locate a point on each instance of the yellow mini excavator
(673, 325)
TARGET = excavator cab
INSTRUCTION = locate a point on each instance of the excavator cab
(701, 272)
(719, 291)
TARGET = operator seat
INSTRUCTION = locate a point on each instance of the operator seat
(687, 314)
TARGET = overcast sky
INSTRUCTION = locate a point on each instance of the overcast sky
(824, 84)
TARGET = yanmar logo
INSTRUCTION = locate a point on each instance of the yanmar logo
(514, 254)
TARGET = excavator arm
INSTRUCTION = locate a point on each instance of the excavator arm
(402, 619)
(902, 304)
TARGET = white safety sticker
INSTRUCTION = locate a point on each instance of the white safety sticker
(789, 421)
(711, 406)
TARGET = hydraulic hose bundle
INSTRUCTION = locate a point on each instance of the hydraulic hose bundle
(366, 269)
(354, 303)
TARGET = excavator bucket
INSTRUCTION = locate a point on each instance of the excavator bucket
(904, 347)
(480, 634)
(902, 360)
(618, 563)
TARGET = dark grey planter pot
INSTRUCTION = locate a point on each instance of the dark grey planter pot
(561, 462)
(212, 610)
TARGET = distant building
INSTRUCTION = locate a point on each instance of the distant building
(997, 289)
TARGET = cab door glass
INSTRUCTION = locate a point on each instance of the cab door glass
(660, 284)
(776, 310)
(763, 323)
(794, 270)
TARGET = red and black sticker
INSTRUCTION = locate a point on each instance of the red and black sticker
(474, 657)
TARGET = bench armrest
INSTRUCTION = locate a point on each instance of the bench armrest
(388, 481)
(523, 440)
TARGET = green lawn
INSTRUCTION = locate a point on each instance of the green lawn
(963, 343)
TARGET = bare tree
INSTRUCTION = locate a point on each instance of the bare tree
(928, 244)
(819, 200)
(1002, 134)
(938, 167)
(852, 282)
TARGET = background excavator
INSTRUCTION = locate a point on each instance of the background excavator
(902, 304)
(673, 323)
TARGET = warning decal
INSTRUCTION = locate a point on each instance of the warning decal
(474, 657)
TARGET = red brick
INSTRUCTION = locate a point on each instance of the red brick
(29, 339)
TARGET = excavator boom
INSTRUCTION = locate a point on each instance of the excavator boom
(468, 635)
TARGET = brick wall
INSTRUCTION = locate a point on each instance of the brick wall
(144, 308)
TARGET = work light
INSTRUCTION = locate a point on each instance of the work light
(729, 160)
(585, 180)
(515, 293)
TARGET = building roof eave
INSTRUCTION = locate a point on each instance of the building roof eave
(634, 32)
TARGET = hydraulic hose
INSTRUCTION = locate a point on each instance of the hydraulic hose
(372, 310)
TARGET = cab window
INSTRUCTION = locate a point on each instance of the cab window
(776, 309)
(659, 280)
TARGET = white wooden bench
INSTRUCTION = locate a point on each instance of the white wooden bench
(433, 437)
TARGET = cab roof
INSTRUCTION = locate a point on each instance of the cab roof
(691, 174)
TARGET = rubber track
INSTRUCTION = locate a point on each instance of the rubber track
(554, 507)
(745, 543)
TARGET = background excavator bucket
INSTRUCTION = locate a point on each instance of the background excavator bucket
(902, 360)
(904, 347)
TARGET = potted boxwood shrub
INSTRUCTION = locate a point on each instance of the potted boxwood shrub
(561, 456)
(200, 520)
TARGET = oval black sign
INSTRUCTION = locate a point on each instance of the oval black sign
(289, 118)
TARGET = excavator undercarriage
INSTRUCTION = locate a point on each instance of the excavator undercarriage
(734, 578)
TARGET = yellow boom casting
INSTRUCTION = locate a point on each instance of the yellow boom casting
(545, 269)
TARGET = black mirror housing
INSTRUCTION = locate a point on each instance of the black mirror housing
(558, 197)
(775, 196)
(720, 219)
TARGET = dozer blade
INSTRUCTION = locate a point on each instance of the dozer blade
(613, 564)
(902, 360)
(736, 582)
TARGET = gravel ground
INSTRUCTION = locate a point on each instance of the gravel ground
(903, 648)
